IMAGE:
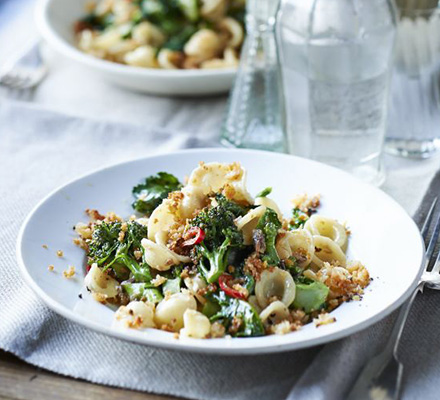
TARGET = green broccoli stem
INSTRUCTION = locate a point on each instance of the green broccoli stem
(217, 260)
(140, 273)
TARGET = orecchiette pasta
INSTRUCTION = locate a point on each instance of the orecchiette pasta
(229, 60)
(203, 45)
(123, 11)
(234, 31)
(100, 282)
(143, 56)
(275, 283)
(326, 250)
(274, 313)
(161, 221)
(160, 257)
(136, 315)
(170, 310)
(147, 33)
(248, 223)
(328, 227)
(169, 59)
(214, 177)
(297, 243)
(213, 10)
(194, 284)
(196, 325)
(269, 203)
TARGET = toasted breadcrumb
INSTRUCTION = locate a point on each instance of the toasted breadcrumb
(282, 328)
(112, 217)
(158, 280)
(254, 266)
(323, 319)
(99, 297)
(305, 203)
(81, 243)
(217, 330)
(60, 253)
(83, 230)
(94, 215)
(51, 267)
(344, 283)
(69, 272)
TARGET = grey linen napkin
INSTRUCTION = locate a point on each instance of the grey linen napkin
(40, 150)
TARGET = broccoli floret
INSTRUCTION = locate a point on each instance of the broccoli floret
(221, 236)
(107, 250)
(104, 243)
(149, 195)
(269, 224)
(231, 308)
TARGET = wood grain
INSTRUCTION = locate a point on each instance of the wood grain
(21, 381)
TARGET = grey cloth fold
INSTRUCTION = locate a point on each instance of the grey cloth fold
(39, 150)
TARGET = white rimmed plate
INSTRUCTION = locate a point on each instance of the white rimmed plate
(55, 20)
(383, 237)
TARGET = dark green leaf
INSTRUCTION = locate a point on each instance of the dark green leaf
(149, 195)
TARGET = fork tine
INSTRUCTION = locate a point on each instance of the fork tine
(428, 219)
(433, 242)
(436, 267)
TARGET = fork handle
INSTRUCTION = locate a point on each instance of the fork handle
(396, 334)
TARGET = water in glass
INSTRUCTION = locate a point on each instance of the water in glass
(335, 57)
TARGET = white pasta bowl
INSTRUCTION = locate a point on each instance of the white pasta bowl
(384, 238)
(55, 20)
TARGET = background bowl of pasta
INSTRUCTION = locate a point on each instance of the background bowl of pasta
(383, 237)
(123, 48)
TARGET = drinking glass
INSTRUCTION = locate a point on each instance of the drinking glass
(414, 125)
(336, 58)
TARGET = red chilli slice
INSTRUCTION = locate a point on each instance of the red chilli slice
(195, 236)
(223, 283)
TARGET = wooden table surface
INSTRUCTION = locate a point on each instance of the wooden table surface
(21, 381)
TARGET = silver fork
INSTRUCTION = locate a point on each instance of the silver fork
(381, 377)
(24, 71)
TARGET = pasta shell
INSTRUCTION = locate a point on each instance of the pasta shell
(249, 222)
(274, 313)
(170, 311)
(275, 282)
(297, 243)
(136, 315)
(194, 284)
(269, 203)
(160, 257)
(203, 45)
(215, 177)
(234, 31)
(100, 282)
(196, 325)
(328, 227)
(161, 221)
(326, 250)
